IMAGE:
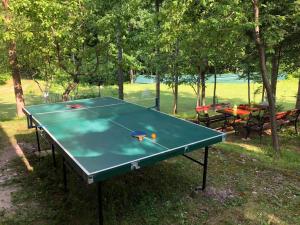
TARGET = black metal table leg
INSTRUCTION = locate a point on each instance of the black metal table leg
(205, 168)
(53, 155)
(38, 140)
(100, 212)
(28, 123)
(65, 175)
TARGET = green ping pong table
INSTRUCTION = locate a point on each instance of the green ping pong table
(94, 137)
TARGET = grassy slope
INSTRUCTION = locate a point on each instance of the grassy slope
(246, 184)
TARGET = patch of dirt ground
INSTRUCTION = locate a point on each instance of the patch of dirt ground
(7, 174)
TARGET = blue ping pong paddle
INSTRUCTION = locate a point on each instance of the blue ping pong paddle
(138, 134)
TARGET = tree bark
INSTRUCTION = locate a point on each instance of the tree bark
(71, 87)
(131, 76)
(157, 8)
(203, 91)
(198, 87)
(275, 69)
(215, 88)
(120, 64)
(13, 63)
(263, 93)
(176, 79)
(249, 91)
(175, 104)
(298, 96)
(262, 61)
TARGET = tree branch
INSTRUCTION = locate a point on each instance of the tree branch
(60, 60)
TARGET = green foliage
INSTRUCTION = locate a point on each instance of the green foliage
(65, 41)
(3, 78)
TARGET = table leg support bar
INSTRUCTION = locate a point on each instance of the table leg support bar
(37, 139)
(204, 164)
(64, 174)
(53, 155)
(100, 207)
(205, 168)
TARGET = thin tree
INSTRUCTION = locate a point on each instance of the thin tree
(215, 87)
(203, 67)
(78, 68)
(249, 89)
(275, 69)
(13, 61)
(157, 8)
(120, 61)
(176, 78)
(264, 73)
(298, 96)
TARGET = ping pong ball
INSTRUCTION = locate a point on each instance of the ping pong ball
(153, 136)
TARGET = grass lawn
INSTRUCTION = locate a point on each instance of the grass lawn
(246, 183)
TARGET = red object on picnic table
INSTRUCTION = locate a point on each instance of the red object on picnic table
(253, 108)
(202, 108)
(237, 112)
(248, 108)
(208, 107)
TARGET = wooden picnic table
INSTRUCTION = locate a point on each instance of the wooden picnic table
(204, 117)
(252, 108)
(236, 113)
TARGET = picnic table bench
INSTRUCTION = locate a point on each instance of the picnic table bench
(261, 121)
(204, 117)
(234, 117)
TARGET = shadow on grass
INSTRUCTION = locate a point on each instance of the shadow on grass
(135, 198)
(289, 156)
(160, 194)
(4, 140)
(129, 197)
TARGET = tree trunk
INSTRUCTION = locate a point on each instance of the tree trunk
(131, 76)
(120, 63)
(202, 88)
(175, 72)
(264, 73)
(99, 91)
(175, 104)
(198, 87)
(263, 93)
(298, 96)
(71, 87)
(198, 91)
(157, 8)
(275, 69)
(249, 91)
(14, 66)
(157, 90)
(215, 88)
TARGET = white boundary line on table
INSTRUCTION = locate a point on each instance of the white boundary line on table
(121, 125)
(76, 100)
(83, 108)
(160, 153)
